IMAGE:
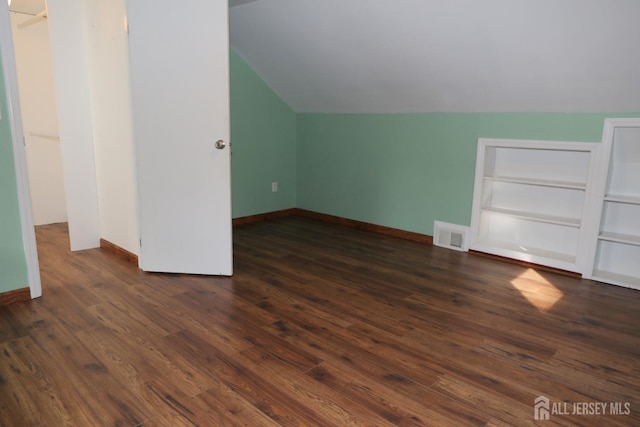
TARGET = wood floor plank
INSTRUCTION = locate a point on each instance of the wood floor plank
(174, 409)
(330, 296)
(229, 409)
(387, 402)
(79, 377)
(135, 364)
(109, 288)
(577, 386)
(386, 370)
(254, 386)
(292, 304)
(321, 325)
(485, 402)
(338, 408)
(19, 367)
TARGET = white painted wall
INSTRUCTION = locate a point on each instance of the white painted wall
(71, 78)
(91, 79)
(38, 108)
(109, 84)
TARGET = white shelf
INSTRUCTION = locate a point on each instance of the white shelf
(539, 182)
(616, 252)
(627, 239)
(531, 216)
(551, 161)
(530, 198)
(525, 253)
(632, 200)
(616, 279)
(529, 254)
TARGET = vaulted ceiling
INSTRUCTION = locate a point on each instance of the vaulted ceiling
(391, 56)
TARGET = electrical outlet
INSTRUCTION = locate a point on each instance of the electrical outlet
(274, 187)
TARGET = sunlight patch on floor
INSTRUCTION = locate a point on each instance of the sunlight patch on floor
(537, 290)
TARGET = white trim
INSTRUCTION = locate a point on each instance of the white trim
(15, 122)
(600, 188)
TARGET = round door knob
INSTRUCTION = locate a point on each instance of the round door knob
(220, 144)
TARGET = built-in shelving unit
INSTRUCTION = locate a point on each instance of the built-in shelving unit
(530, 200)
(616, 255)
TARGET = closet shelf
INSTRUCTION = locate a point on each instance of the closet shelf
(615, 198)
(503, 248)
(628, 239)
(616, 279)
(539, 182)
(532, 216)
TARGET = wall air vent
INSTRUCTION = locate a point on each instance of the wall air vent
(450, 236)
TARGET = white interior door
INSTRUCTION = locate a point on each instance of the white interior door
(179, 53)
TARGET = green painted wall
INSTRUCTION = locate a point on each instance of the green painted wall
(263, 137)
(13, 264)
(407, 170)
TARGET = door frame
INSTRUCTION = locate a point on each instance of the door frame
(19, 155)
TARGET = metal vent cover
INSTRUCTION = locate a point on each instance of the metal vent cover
(450, 236)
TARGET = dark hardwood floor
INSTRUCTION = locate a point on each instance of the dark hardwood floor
(320, 325)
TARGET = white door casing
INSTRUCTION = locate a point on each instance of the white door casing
(179, 59)
(17, 139)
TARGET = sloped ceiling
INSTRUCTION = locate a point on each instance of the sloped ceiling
(392, 56)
